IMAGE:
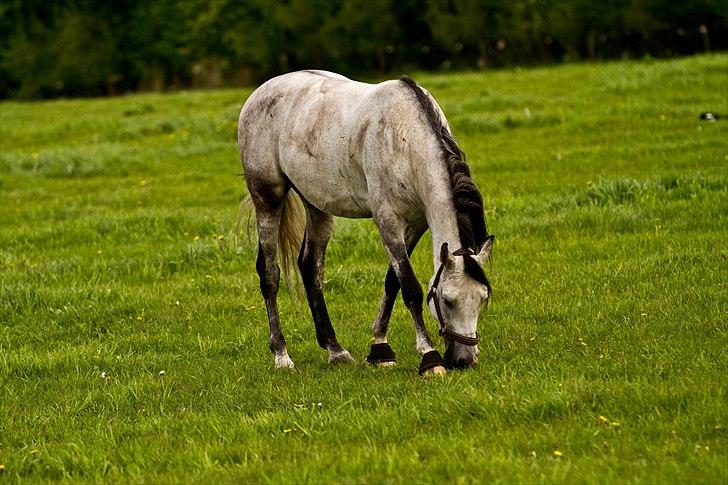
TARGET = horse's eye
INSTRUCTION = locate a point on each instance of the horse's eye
(448, 302)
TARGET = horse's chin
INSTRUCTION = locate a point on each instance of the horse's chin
(459, 356)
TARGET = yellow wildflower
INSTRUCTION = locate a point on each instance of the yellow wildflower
(558, 454)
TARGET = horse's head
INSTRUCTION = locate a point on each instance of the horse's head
(458, 290)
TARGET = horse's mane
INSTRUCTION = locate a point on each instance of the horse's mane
(465, 195)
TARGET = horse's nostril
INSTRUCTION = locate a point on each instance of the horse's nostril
(462, 363)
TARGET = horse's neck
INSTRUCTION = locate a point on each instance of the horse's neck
(440, 214)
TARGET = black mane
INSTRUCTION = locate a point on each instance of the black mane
(465, 195)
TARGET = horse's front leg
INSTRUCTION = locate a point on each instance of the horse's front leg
(381, 353)
(392, 231)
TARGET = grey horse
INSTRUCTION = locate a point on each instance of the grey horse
(357, 150)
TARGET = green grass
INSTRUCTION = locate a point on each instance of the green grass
(608, 199)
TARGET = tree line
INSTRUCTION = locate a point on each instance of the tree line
(98, 47)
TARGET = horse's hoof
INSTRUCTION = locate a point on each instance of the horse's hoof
(381, 355)
(432, 364)
(341, 357)
(284, 362)
(435, 371)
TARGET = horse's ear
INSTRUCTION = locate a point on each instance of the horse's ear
(445, 257)
(484, 253)
(444, 253)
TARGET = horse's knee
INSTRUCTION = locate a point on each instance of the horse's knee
(413, 296)
(391, 283)
(411, 289)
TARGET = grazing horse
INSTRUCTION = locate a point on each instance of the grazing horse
(357, 150)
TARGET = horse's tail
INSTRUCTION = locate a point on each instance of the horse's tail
(290, 236)
(290, 232)
(246, 213)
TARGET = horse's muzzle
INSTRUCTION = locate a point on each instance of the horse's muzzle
(458, 356)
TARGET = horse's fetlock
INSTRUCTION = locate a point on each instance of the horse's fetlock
(276, 343)
(326, 339)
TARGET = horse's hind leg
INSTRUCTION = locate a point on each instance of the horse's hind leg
(311, 259)
(268, 208)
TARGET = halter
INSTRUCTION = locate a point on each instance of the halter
(432, 294)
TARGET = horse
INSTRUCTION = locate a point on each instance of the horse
(356, 150)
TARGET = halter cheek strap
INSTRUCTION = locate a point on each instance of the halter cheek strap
(432, 295)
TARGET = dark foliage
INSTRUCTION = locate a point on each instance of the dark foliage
(96, 47)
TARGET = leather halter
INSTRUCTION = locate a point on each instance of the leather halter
(432, 294)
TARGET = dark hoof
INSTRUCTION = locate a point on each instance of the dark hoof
(380, 354)
(430, 362)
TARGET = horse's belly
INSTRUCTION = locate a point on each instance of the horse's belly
(334, 188)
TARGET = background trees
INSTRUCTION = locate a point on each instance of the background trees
(96, 47)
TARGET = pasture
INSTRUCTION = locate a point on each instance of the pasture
(604, 351)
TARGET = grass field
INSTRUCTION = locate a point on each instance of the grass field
(604, 353)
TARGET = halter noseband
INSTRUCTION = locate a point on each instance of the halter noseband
(432, 294)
